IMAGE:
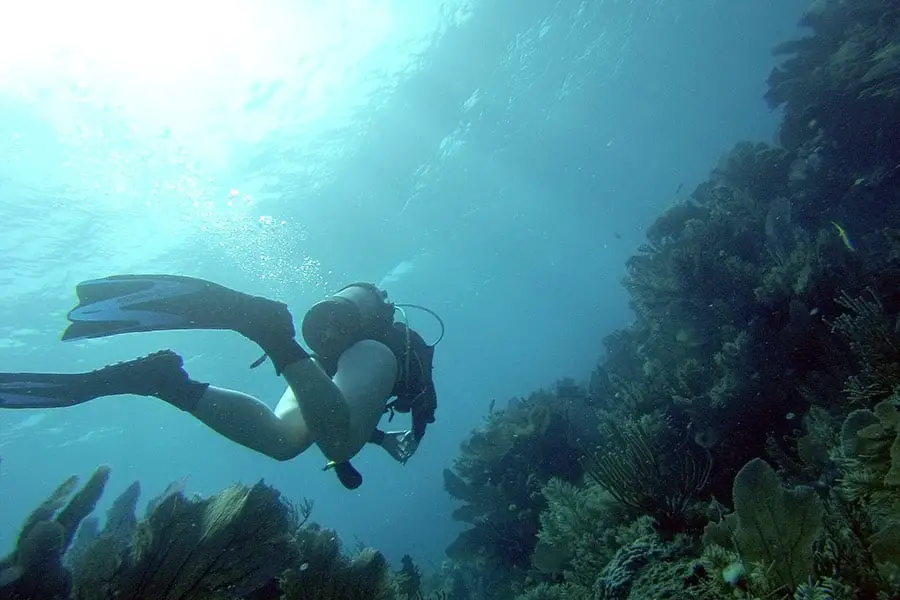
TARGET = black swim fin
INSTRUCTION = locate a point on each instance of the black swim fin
(135, 303)
(41, 390)
(159, 374)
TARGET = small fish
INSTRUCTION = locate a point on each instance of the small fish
(679, 188)
(844, 237)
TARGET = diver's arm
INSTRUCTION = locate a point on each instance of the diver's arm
(401, 445)
(422, 415)
(423, 412)
(377, 437)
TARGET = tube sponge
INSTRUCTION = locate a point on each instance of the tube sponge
(34, 569)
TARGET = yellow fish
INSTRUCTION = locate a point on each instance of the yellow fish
(844, 237)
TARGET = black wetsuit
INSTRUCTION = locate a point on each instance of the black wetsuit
(414, 389)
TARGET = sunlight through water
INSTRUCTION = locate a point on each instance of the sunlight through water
(125, 120)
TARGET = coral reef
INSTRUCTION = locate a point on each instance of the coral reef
(772, 525)
(746, 432)
(246, 542)
(499, 476)
(741, 439)
(325, 573)
(35, 568)
(238, 541)
(650, 472)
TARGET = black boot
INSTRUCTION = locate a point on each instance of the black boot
(269, 323)
(349, 477)
(159, 374)
(133, 303)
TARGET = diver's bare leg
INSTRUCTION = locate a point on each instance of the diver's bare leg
(342, 413)
(251, 423)
(320, 404)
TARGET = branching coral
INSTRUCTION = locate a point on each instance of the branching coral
(636, 471)
(874, 340)
(869, 456)
(578, 531)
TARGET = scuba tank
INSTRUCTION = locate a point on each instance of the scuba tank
(359, 311)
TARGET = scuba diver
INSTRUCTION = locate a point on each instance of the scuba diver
(336, 396)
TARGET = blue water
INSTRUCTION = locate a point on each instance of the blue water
(495, 161)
